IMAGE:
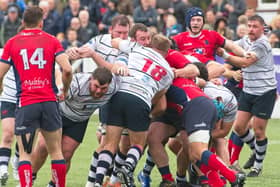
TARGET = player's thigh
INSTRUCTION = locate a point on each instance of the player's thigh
(8, 120)
(74, 130)
(159, 132)
(69, 145)
(264, 104)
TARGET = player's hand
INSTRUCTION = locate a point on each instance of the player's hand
(73, 53)
(220, 51)
(86, 51)
(120, 69)
(237, 75)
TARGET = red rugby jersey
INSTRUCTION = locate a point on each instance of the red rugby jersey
(203, 47)
(32, 54)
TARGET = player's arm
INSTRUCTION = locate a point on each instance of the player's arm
(242, 62)
(4, 68)
(189, 71)
(63, 61)
(233, 47)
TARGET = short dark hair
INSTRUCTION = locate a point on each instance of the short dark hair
(120, 20)
(32, 16)
(202, 70)
(102, 75)
(137, 27)
(257, 18)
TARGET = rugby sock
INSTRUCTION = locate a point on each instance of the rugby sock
(249, 138)
(92, 169)
(105, 159)
(5, 154)
(59, 172)
(34, 177)
(25, 173)
(236, 147)
(149, 165)
(261, 147)
(180, 178)
(16, 151)
(212, 176)
(118, 162)
(133, 156)
(165, 173)
(216, 164)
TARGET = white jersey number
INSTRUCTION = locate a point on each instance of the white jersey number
(156, 71)
(37, 58)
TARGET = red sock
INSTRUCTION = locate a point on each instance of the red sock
(214, 179)
(235, 152)
(25, 173)
(59, 172)
(167, 177)
(217, 164)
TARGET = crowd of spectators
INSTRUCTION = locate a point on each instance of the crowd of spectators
(74, 22)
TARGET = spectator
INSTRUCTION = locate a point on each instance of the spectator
(87, 29)
(180, 8)
(163, 7)
(71, 39)
(94, 8)
(51, 19)
(11, 23)
(250, 12)
(241, 31)
(274, 39)
(145, 14)
(210, 19)
(275, 23)
(172, 27)
(125, 7)
(3, 9)
(21, 4)
(108, 16)
(221, 26)
(70, 12)
(218, 6)
(235, 9)
(75, 24)
(243, 19)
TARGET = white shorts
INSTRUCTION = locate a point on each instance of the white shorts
(202, 136)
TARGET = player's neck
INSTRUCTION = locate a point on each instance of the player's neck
(33, 28)
(195, 35)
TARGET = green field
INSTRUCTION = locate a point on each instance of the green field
(78, 174)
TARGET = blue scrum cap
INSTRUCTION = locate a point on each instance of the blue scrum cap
(191, 12)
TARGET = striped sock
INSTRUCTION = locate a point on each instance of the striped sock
(5, 154)
(105, 159)
(92, 169)
(261, 147)
(149, 165)
(133, 156)
(249, 138)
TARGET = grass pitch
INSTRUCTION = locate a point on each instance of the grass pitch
(77, 175)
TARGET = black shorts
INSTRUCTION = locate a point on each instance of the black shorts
(7, 110)
(103, 114)
(260, 106)
(199, 114)
(75, 130)
(170, 117)
(43, 115)
(128, 111)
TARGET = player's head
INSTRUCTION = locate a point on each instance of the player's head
(120, 27)
(160, 43)
(255, 27)
(33, 17)
(203, 72)
(195, 19)
(99, 82)
(140, 34)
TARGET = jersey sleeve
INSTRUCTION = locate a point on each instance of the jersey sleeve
(127, 46)
(122, 58)
(220, 40)
(260, 49)
(176, 59)
(6, 56)
(58, 47)
(74, 86)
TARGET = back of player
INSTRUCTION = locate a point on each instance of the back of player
(33, 53)
(34, 67)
